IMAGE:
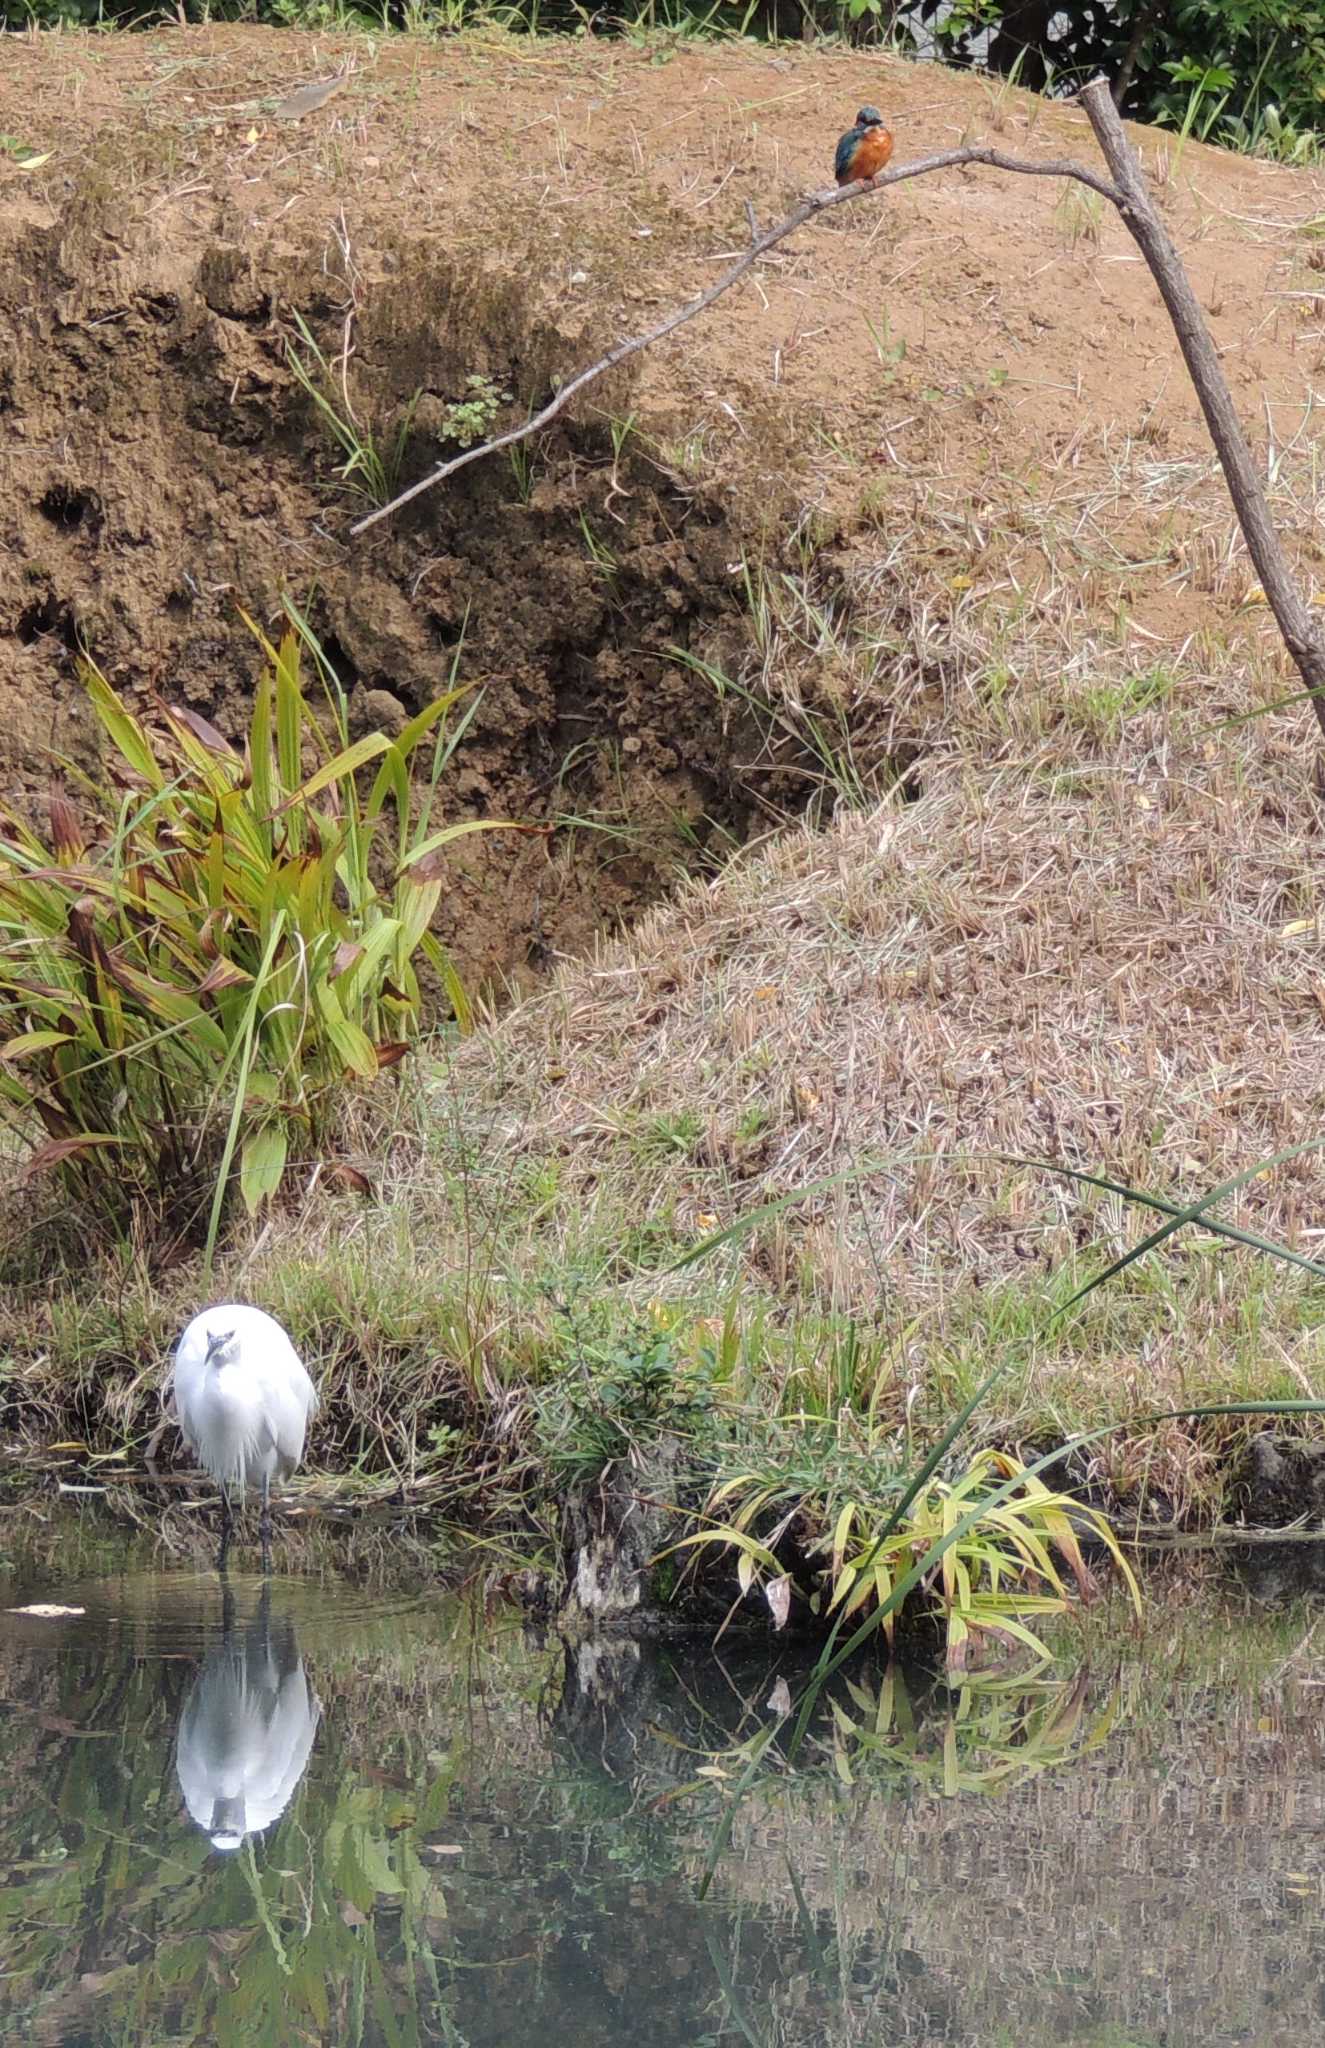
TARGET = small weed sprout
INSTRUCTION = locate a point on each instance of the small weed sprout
(891, 353)
(470, 419)
(1077, 215)
(600, 553)
(522, 469)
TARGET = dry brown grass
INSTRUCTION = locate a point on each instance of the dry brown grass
(1122, 975)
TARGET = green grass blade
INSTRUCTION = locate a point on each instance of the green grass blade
(340, 769)
(1146, 1200)
(121, 727)
(1193, 1211)
(244, 1049)
(265, 795)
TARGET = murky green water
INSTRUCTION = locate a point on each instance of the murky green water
(434, 1828)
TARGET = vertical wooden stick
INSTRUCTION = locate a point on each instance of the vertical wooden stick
(1301, 635)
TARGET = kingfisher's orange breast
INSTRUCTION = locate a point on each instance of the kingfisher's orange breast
(872, 153)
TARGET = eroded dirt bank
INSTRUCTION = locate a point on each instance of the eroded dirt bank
(900, 394)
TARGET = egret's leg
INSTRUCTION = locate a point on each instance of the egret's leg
(264, 1526)
(225, 1529)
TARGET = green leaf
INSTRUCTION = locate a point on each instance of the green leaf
(340, 768)
(240, 1054)
(376, 1866)
(261, 1164)
(423, 721)
(415, 904)
(25, 1043)
(392, 780)
(354, 1045)
(437, 840)
(447, 973)
(289, 715)
(216, 771)
(756, 1553)
(265, 793)
(121, 727)
(364, 974)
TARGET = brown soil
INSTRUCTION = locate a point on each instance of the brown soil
(507, 208)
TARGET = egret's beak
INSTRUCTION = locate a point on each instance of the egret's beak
(217, 1341)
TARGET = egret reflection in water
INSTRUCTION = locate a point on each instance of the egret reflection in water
(246, 1732)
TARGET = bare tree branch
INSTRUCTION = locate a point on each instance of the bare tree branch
(817, 203)
(1301, 636)
(1305, 643)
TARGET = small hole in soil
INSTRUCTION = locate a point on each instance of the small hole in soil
(65, 505)
(44, 616)
(445, 632)
(910, 785)
(346, 674)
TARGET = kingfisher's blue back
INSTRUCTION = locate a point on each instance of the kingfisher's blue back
(846, 149)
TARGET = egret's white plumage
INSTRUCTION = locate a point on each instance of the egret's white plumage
(243, 1399)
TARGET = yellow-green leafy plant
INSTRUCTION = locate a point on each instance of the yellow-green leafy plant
(204, 953)
(985, 1553)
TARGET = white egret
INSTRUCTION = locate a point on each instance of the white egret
(243, 1401)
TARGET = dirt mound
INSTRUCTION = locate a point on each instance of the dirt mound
(939, 412)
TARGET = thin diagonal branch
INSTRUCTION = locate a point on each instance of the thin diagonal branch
(817, 203)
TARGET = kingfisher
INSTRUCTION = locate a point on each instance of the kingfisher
(864, 149)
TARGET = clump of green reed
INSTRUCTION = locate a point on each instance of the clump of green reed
(990, 1542)
(192, 982)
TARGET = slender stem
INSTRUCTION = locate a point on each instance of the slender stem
(1146, 15)
(809, 208)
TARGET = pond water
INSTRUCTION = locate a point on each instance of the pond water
(319, 1812)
